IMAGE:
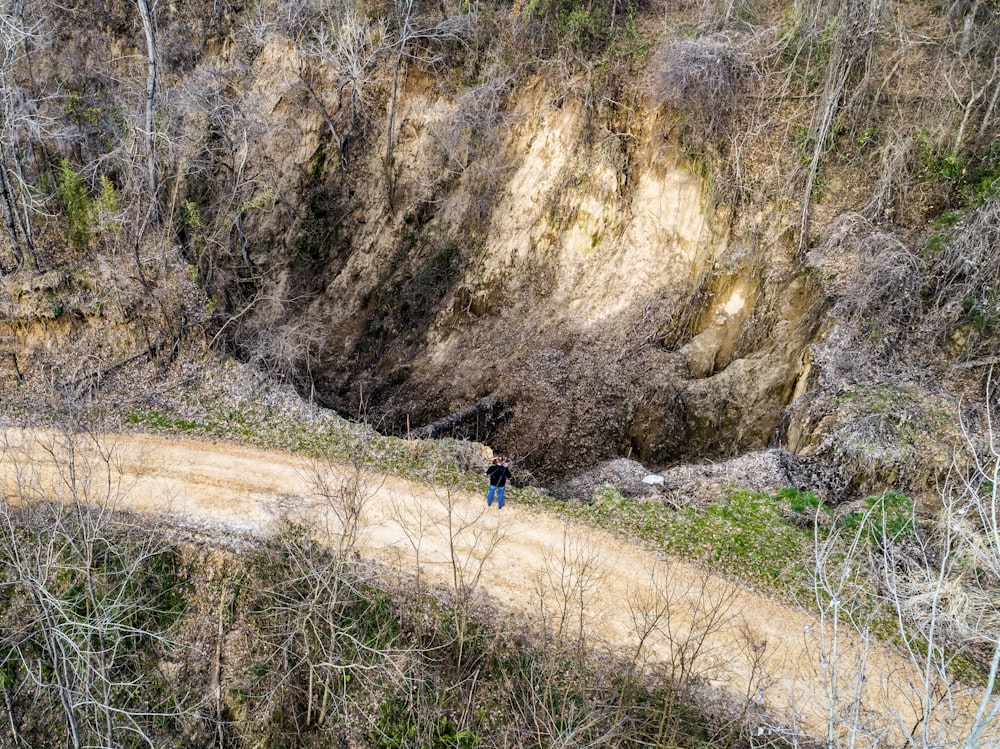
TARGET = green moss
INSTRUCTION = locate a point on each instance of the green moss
(317, 164)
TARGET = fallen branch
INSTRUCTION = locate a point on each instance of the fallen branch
(151, 352)
(985, 361)
(446, 424)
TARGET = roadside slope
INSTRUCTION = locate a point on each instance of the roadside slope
(578, 579)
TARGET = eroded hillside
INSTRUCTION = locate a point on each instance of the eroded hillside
(671, 231)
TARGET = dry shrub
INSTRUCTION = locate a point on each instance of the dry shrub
(895, 183)
(891, 297)
(707, 79)
(964, 275)
(875, 280)
(477, 112)
(279, 338)
(956, 586)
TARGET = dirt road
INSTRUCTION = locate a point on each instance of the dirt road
(578, 579)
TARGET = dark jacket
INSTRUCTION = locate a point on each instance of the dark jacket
(498, 475)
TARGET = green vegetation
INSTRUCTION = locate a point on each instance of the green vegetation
(756, 537)
(316, 650)
(192, 221)
(985, 314)
(800, 501)
(973, 179)
(76, 204)
(766, 540)
(588, 28)
(893, 423)
(107, 207)
(745, 535)
(886, 518)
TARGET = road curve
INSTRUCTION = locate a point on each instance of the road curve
(574, 578)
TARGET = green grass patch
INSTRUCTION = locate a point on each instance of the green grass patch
(887, 517)
(800, 501)
(748, 535)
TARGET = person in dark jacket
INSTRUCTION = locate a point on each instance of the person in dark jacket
(498, 473)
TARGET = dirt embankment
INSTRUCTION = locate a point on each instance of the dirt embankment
(579, 579)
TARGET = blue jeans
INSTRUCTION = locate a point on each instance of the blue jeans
(499, 493)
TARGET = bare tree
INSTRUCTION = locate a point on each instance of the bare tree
(936, 584)
(336, 54)
(215, 151)
(472, 541)
(678, 619)
(17, 32)
(948, 603)
(147, 16)
(843, 599)
(415, 521)
(560, 719)
(342, 488)
(476, 113)
(857, 35)
(567, 586)
(417, 37)
(349, 46)
(90, 610)
(316, 645)
(976, 92)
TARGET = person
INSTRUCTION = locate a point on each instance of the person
(498, 473)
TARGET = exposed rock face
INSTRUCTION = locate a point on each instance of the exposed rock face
(598, 295)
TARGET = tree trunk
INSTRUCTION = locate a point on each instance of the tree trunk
(838, 71)
(23, 216)
(8, 212)
(487, 406)
(150, 131)
(392, 106)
